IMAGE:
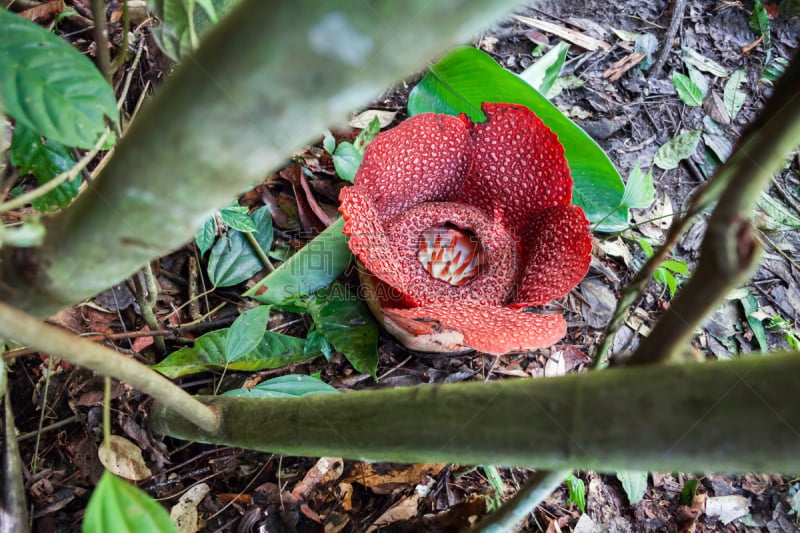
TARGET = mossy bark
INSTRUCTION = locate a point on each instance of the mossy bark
(265, 82)
(725, 416)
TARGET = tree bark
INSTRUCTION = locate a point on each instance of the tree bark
(732, 416)
(266, 81)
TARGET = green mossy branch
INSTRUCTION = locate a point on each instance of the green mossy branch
(267, 80)
(731, 416)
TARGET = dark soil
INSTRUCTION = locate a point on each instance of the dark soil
(630, 118)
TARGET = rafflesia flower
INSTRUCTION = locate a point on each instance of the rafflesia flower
(460, 225)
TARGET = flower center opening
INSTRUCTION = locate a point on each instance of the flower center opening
(450, 253)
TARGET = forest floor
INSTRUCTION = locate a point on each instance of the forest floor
(630, 117)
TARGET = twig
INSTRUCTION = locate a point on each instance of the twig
(730, 248)
(678, 7)
(513, 514)
(715, 187)
(146, 296)
(24, 328)
(101, 39)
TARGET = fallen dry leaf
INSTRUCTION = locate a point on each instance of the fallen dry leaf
(123, 458)
(362, 120)
(383, 478)
(184, 513)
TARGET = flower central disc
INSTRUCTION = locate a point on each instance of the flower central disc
(450, 254)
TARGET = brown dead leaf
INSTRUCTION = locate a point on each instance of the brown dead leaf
(123, 458)
(325, 470)
(727, 508)
(184, 513)
(43, 12)
(140, 343)
(363, 119)
(616, 71)
(383, 478)
(572, 36)
(405, 509)
(309, 221)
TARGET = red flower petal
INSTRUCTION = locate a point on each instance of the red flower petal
(370, 242)
(518, 167)
(493, 330)
(557, 249)
(423, 159)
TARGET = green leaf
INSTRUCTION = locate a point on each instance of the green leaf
(346, 160)
(577, 492)
(233, 259)
(688, 492)
(639, 190)
(665, 277)
(275, 350)
(697, 77)
(466, 77)
(317, 264)
(367, 134)
(679, 267)
(688, 91)
(759, 21)
(45, 160)
(635, 484)
(693, 58)
(117, 506)
(647, 44)
(50, 87)
(316, 341)
(347, 324)
(205, 235)
(732, 97)
(328, 142)
(182, 24)
(777, 217)
(235, 217)
(246, 332)
(750, 306)
(677, 149)
(291, 386)
(543, 73)
(774, 70)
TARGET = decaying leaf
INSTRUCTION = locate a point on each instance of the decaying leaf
(124, 459)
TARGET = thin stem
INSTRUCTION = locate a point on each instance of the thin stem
(45, 393)
(123, 51)
(101, 39)
(730, 248)
(514, 513)
(107, 413)
(17, 325)
(262, 256)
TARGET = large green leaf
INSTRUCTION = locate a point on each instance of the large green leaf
(347, 324)
(246, 332)
(49, 86)
(183, 22)
(317, 264)
(208, 353)
(45, 160)
(117, 506)
(291, 386)
(233, 259)
(465, 77)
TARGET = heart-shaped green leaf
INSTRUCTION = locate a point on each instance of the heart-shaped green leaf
(49, 86)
